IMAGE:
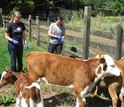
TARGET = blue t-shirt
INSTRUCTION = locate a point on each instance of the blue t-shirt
(16, 31)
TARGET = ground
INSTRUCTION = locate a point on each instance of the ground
(55, 99)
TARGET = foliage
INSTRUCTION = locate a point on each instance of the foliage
(6, 99)
(25, 8)
(30, 6)
(7, 95)
(117, 6)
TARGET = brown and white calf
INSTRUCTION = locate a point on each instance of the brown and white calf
(121, 95)
(65, 71)
(115, 85)
(28, 92)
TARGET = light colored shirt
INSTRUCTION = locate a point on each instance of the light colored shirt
(56, 31)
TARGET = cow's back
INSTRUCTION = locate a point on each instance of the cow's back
(53, 67)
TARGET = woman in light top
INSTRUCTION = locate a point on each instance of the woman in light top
(57, 34)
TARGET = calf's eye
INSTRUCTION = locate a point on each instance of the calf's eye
(102, 60)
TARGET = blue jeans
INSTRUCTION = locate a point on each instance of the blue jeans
(16, 53)
(55, 48)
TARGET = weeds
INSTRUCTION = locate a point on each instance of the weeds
(6, 100)
(100, 22)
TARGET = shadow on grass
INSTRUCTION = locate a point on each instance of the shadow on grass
(69, 101)
(59, 99)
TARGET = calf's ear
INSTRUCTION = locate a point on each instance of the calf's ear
(98, 55)
(6, 69)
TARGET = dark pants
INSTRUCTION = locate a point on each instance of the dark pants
(16, 53)
(55, 48)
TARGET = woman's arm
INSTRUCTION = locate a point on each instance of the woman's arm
(24, 37)
(7, 36)
(50, 34)
(63, 35)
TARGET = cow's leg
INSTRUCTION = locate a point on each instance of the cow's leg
(112, 91)
(121, 97)
(41, 103)
(79, 101)
(96, 91)
(18, 101)
(31, 103)
(24, 103)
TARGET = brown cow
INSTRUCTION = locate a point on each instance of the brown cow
(28, 92)
(61, 70)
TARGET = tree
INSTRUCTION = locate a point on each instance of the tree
(28, 6)
(117, 6)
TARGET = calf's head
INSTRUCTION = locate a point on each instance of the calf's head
(107, 67)
(7, 77)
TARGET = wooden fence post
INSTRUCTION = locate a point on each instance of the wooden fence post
(38, 29)
(48, 21)
(4, 21)
(118, 49)
(86, 32)
(1, 21)
(29, 30)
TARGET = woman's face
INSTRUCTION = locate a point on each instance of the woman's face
(17, 19)
(59, 22)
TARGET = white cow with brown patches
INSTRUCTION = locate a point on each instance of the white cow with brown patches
(28, 92)
(115, 85)
(65, 71)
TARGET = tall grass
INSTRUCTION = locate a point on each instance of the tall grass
(100, 22)
(76, 19)
(106, 23)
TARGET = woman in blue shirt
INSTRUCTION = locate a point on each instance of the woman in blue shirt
(15, 33)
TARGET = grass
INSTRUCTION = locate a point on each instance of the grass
(7, 95)
(4, 56)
